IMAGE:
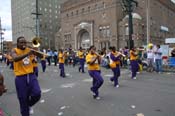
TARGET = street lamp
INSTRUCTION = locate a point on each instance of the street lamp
(128, 6)
(1, 33)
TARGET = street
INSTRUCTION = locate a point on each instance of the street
(151, 94)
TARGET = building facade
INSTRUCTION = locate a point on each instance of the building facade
(24, 20)
(103, 23)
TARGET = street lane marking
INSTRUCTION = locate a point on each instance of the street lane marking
(45, 90)
(108, 75)
(133, 106)
(140, 114)
(87, 80)
(60, 113)
(68, 85)
(55, 71)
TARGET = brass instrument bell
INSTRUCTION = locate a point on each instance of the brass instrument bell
(36, 42)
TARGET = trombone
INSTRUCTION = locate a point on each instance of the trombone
(122, 54)
(36, 42)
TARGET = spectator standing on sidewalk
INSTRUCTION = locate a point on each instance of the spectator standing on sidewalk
(158, 59)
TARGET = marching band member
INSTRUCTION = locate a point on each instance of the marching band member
(27, 86)
(43, 63)
(61, 60)
(35, 63)
(93, 60)
(115, 65)
(134, 63)
(81, 59)
(35, 66)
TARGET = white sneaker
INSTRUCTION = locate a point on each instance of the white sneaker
(31, 111)
(97, 98)
(117, 86)
(134, 78)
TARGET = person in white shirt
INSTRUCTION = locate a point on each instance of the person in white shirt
(158, 59)
(150, 58)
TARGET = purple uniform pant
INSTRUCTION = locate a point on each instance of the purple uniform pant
(28, 92)
(43, 64)
(116, 72)
(82, 60)
(97, 81)
(61, 66)
(134, 68)
(35, 70)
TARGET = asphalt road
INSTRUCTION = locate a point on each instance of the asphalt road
(151, 94)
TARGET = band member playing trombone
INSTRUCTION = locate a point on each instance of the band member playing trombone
(134, 63)
(115, 65)
(27, 86)
(81, 59)
(61, 59)
(93, 60)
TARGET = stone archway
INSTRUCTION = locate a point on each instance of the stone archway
(83, 35)
(84, 40)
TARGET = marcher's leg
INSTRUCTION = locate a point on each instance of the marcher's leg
(134, 68)
(94, 81)
(99, 79)
(35, 91)
(116, 76)
(23, 94)
(82, 66)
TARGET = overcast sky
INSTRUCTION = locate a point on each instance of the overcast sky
(5, 14)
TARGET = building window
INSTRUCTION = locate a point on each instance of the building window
(82, 10)
(104, 5)
(67, 15)
(104, 31)
(77, 12)
(89, 8)
(67, 37)
(72, 13)
(95, 6)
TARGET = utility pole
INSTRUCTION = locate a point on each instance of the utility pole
(37, 14)
(128, 8)
(148, 21)
(1, 33)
